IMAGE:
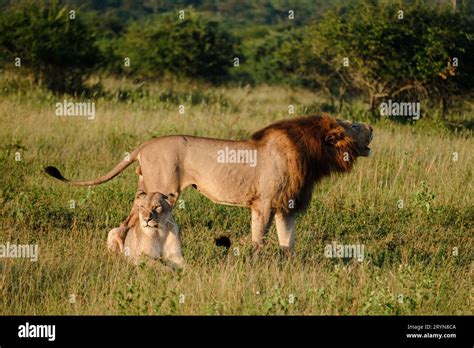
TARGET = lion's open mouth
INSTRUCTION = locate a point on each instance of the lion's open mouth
(365, 152)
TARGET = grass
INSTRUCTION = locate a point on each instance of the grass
(418, 258)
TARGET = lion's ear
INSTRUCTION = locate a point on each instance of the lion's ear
(140, 194)
(171, 198)
(334, 136)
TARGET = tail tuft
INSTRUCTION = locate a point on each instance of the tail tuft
(54, 172)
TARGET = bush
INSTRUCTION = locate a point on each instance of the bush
(59, 51)
(389, 56)
(192, 47)
(273, 57)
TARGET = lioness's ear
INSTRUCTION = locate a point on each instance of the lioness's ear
(140, 194)
(171, 198)
(334, 136)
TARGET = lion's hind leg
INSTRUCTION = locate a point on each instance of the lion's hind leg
(116, 238)
(262, 217)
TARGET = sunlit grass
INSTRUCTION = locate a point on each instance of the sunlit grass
(417, 248)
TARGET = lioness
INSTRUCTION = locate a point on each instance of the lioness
(273, 173)
(155, 234)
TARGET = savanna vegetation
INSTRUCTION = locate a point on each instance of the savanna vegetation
(410, 205)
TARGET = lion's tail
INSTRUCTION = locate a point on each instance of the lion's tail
(55, 173)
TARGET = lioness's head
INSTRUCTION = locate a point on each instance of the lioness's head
(154, 208)
(156, 222)
(361, 134)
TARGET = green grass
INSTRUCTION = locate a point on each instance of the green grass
(408, 251)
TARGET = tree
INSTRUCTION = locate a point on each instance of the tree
(387, 50)
(192, 47)
(51, 42)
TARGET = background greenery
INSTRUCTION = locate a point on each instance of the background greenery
(399, 50)
(418, 258)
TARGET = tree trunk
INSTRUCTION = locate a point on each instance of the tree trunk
(373, 107)
(444, 105)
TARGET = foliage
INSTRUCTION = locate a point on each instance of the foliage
(191, 47)
(424, 197)
(235, 13)
(390, 53)
(59, 51)
(272, 58)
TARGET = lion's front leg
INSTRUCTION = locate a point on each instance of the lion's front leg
(172, 249)
(285, 226)
(262, 216)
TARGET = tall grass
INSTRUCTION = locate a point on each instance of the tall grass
(410, 205)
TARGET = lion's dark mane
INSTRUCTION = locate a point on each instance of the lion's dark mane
(315, 147)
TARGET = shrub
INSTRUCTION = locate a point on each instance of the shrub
(388, 55)
(192, 47)
(57, 49)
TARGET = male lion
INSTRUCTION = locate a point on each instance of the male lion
(273, 173)
(155, 234)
